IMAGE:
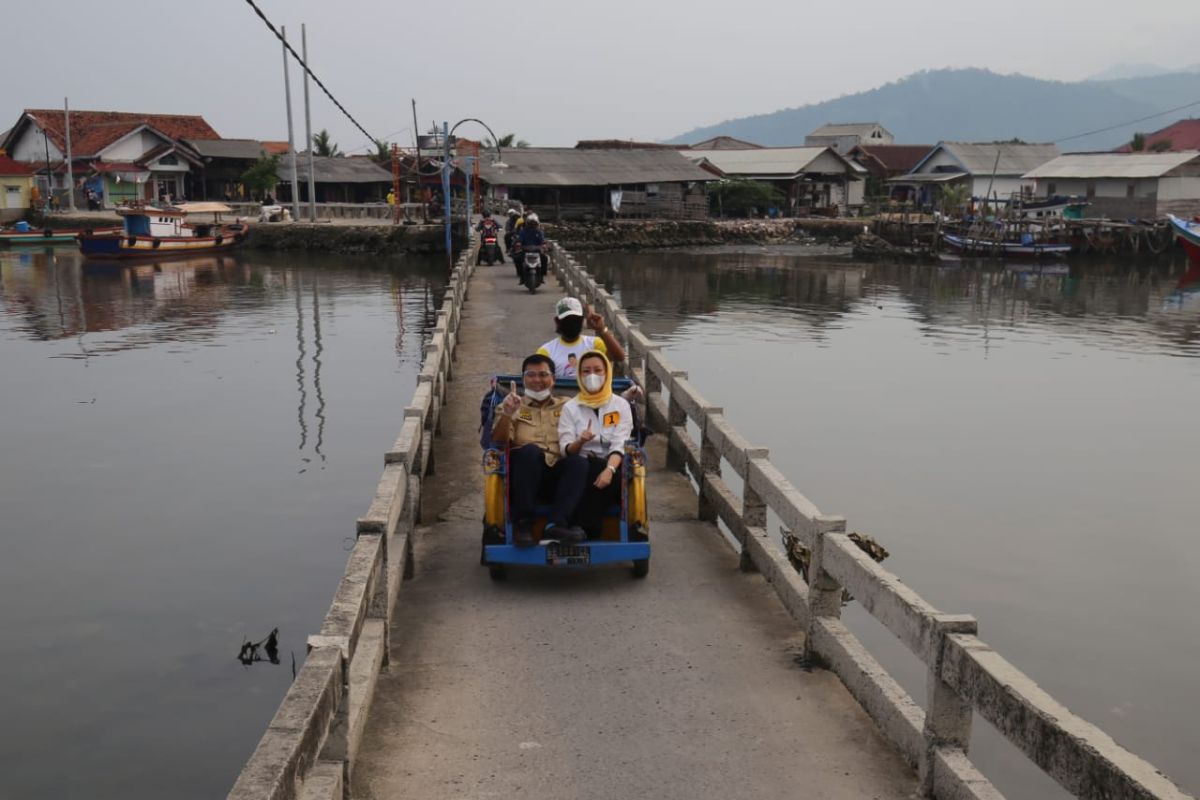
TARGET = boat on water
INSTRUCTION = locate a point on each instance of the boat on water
(27, 235)
(1026, 246)
(160, 232)
(1188, 233)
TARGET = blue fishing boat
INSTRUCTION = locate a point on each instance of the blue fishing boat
(153, 232)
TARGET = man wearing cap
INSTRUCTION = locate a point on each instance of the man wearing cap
(569, 315)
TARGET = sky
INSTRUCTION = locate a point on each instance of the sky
(552, 72)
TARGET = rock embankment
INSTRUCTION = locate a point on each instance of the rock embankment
(647, 234)
(348, 239)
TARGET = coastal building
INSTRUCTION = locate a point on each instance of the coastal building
(1175, 138)
(120, 156)
(885, 161)
(16, 183)
(1124, 185)
(723, 143)
(223, 162)
(571, 183)
(337, 179)
(813, 180)
(991, 169)
(842, 137)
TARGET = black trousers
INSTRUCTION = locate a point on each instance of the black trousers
(568, 485)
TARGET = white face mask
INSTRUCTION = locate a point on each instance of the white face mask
(593, 383)
(537, 394)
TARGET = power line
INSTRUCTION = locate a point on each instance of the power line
(316, 80)
(1130, 122)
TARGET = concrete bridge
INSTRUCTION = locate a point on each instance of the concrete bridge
(723, 674)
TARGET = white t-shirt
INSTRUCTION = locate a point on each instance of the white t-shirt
(565, 355)
(612, 423)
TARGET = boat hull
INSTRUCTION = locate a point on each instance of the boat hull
(1188, 234)
(124, 247)
(49, 236)
(985, 247)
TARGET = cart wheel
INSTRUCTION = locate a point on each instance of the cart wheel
(496, 572)
(641, 567)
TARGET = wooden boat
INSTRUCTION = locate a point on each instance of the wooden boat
(42, 236)
(1188, 233)
(1025, 247)
(153, 232)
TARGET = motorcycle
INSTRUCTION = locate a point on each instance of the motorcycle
(532, 271)
(489, 251)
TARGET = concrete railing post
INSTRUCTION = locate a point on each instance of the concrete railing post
(676, 416)
(754, 509)
(710, 465)
(947, 716)
(824, 592)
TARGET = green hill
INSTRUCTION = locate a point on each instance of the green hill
(979, 105)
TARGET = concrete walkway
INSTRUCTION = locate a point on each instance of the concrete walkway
(591, 684)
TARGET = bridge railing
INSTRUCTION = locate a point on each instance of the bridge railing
(310, 745)
(963, 674)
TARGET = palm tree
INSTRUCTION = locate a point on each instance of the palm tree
(383, 153)
(507, 140)
(954, 197)
(322, 146)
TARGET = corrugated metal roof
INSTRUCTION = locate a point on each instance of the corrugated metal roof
(928, 177)
(1112, 165)
(566, 166)
(725, 143)
(227, 148)
(329, 169)
(778, 162)
(980, 158)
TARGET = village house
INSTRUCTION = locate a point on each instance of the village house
(573, 183)
(1124, 185)
(119, 156)
(885, 161)
(843, 137)
(1175, 138)
(992, 169)
(16, 182)
(812, 179)
(223, 162)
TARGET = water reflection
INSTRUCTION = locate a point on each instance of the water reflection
(162, 420)
(1138, 310)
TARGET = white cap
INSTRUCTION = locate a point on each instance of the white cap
(568, 307)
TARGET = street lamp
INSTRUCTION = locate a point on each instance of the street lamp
(447, 165)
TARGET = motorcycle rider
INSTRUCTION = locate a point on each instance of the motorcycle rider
(531, 237)
(487, 227)
(510, 229)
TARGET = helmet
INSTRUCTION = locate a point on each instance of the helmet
(531, 217)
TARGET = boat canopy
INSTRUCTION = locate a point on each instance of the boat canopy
(204, 208)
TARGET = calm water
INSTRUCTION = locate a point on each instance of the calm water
(185, 449)
(1024, 443)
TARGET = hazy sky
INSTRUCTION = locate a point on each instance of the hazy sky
(644, 69)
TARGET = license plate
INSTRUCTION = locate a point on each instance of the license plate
(563, 555)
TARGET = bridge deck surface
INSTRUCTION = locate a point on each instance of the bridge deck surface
(591, 684)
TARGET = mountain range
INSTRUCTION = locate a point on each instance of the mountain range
(980, 105)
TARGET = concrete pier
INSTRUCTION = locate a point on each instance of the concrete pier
(591, 684)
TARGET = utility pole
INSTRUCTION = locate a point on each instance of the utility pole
(70, 171)
(287, 92)
(312, 178)
(446, 190)
(417, 169)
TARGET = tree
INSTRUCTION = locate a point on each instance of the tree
(954, 197)
(263, 175)
(322, 144)
(741, 198)
(383, 153)
(1138, 143)
(507, 140)
(1161, 146)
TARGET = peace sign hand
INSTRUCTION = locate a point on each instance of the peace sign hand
(594, 320)
(511, 402)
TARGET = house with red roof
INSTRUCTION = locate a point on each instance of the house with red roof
(120, 156)
(1177, 137)
(16, 182)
